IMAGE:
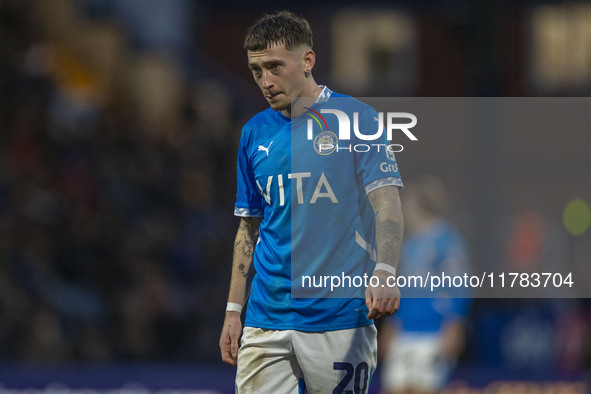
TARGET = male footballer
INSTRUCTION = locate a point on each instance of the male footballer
(307, 206)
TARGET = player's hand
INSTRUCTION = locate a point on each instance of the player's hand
(382, 300)
(230, 337)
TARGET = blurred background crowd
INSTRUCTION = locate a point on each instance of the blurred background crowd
(119, 123)
(115, 191)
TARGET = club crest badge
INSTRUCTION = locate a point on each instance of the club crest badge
(325, 143)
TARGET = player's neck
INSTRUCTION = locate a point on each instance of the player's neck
(316, 89)
(311, 91)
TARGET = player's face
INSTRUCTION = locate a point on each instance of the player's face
(281, 74)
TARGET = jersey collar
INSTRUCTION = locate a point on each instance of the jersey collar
(324, 95)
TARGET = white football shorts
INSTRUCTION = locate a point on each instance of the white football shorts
(414, 361)
(289, 361)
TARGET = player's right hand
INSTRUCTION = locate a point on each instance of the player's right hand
(230, 338)
(382, 300)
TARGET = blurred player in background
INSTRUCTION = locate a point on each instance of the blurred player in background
(296, 345)
(421, 344)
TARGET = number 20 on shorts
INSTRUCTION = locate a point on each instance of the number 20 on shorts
(359, 375)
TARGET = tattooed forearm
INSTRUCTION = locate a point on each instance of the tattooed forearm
(244, 245)
(388, 239)
(237, 245)
(246, 238)
(389, 223)
(242, 269)
(248, 248)
(250, 226)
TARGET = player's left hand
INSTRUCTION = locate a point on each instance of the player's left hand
(230, 338)
(382, 300)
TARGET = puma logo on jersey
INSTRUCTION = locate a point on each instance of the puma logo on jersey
(261, 147)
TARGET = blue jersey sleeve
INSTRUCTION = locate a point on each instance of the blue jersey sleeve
(376, 165)
(248, 199)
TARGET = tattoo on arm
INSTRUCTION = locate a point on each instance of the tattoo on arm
(389, 238)
(242, 270)
(248, 248)
(245, 243)
(389, 223)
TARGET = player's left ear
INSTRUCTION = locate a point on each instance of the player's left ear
(309, 59)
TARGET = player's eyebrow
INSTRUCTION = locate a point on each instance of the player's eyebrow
(266, 63)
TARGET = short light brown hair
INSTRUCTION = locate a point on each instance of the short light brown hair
(282, 27)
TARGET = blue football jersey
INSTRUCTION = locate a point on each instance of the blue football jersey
(440, 248)
(310, 188)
